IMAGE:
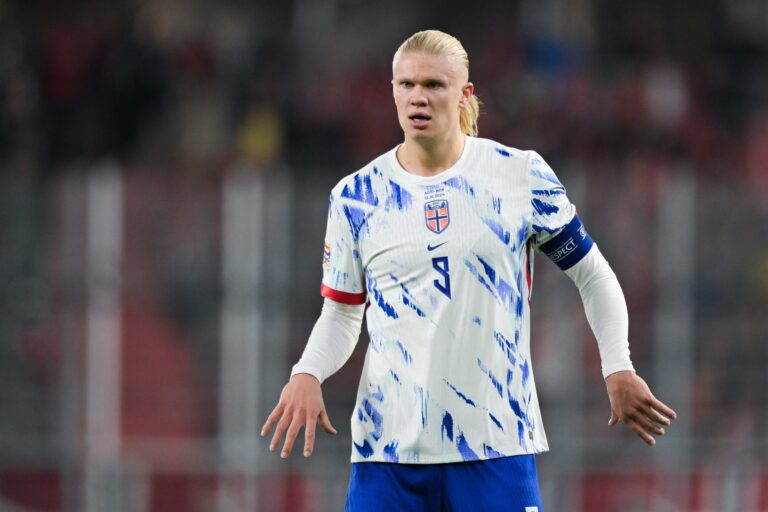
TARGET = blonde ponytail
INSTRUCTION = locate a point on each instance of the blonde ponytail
(468, 116)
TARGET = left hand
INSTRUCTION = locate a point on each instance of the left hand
(633, 403)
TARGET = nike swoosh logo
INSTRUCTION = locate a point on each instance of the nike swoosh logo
(432, 248)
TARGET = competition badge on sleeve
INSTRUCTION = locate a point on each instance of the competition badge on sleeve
(326, 255)
(436, 215)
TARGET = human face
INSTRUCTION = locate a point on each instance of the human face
(429, 92)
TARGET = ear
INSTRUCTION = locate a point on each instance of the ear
(466, 94)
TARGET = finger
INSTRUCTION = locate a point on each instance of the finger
(309, 434)
(663, 408)
(283, 424)
(657, 417)
(636, 419)
(325, 422)
(642, 434)
(615, 417)
(646, 422)
(291, 434)
(273, 417)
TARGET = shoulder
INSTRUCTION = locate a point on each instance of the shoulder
(527, 165)
(499, 150)
(521, 163)
(540, 173)
(527, 159)
(362, 182)
(493, 154)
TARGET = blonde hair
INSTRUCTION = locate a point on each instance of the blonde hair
(435, 42)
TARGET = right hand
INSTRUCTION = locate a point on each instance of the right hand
(634, 404)
(300, 406)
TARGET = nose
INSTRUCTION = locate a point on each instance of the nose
(418, 98)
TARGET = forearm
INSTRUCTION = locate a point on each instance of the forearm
(332, 340)
(605, 308)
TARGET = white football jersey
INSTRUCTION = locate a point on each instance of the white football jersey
(445, 263)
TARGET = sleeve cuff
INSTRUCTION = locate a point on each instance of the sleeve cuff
(305, 369)
(353, 299)
(615, 368)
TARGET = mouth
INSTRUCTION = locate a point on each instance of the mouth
(420, 119)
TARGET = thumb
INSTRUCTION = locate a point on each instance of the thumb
(614, 419)
(325, 422)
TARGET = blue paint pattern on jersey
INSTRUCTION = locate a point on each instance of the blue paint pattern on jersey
(361, 190)
(503, 288)
(509, 348)
(356, 218)
(546, 176)
(526, 371)
(406, 355)
(496, 421)
(497, 229)
(423, 403)
(438, 319)
(490, 453)
(521, 235)
(538, 228)
(378, 297)
(473, 270)
(543, 208)
(515, 404)
(446, 429)
(365, 449)
(461, 184)
(521, 433)
(376, 419)
(390, 451)
(519, 299)
(494, 380)
(399, 197)
(548, 193)
(461, 395)
(407, 297)
(496, 201)
(466, 452)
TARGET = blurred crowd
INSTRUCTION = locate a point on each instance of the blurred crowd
(591, 84)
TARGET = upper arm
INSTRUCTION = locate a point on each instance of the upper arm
(343, 277)
(555, 227)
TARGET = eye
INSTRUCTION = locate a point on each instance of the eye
(434, 85)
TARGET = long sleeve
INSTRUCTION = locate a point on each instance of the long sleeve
(605, 308)
(332, 340)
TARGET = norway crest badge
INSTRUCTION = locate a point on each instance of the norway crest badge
(436, 215)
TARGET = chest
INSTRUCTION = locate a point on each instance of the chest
(447, 225)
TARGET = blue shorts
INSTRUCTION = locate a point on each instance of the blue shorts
(508, 484)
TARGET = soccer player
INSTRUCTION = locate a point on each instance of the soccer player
(437, 237)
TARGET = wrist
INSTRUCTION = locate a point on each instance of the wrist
(304, 375)
(619, 375)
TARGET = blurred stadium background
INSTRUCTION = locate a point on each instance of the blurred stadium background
(164, 174)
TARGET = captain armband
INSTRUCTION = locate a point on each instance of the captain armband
(569, 246)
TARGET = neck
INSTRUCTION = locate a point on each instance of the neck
(429, 158)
